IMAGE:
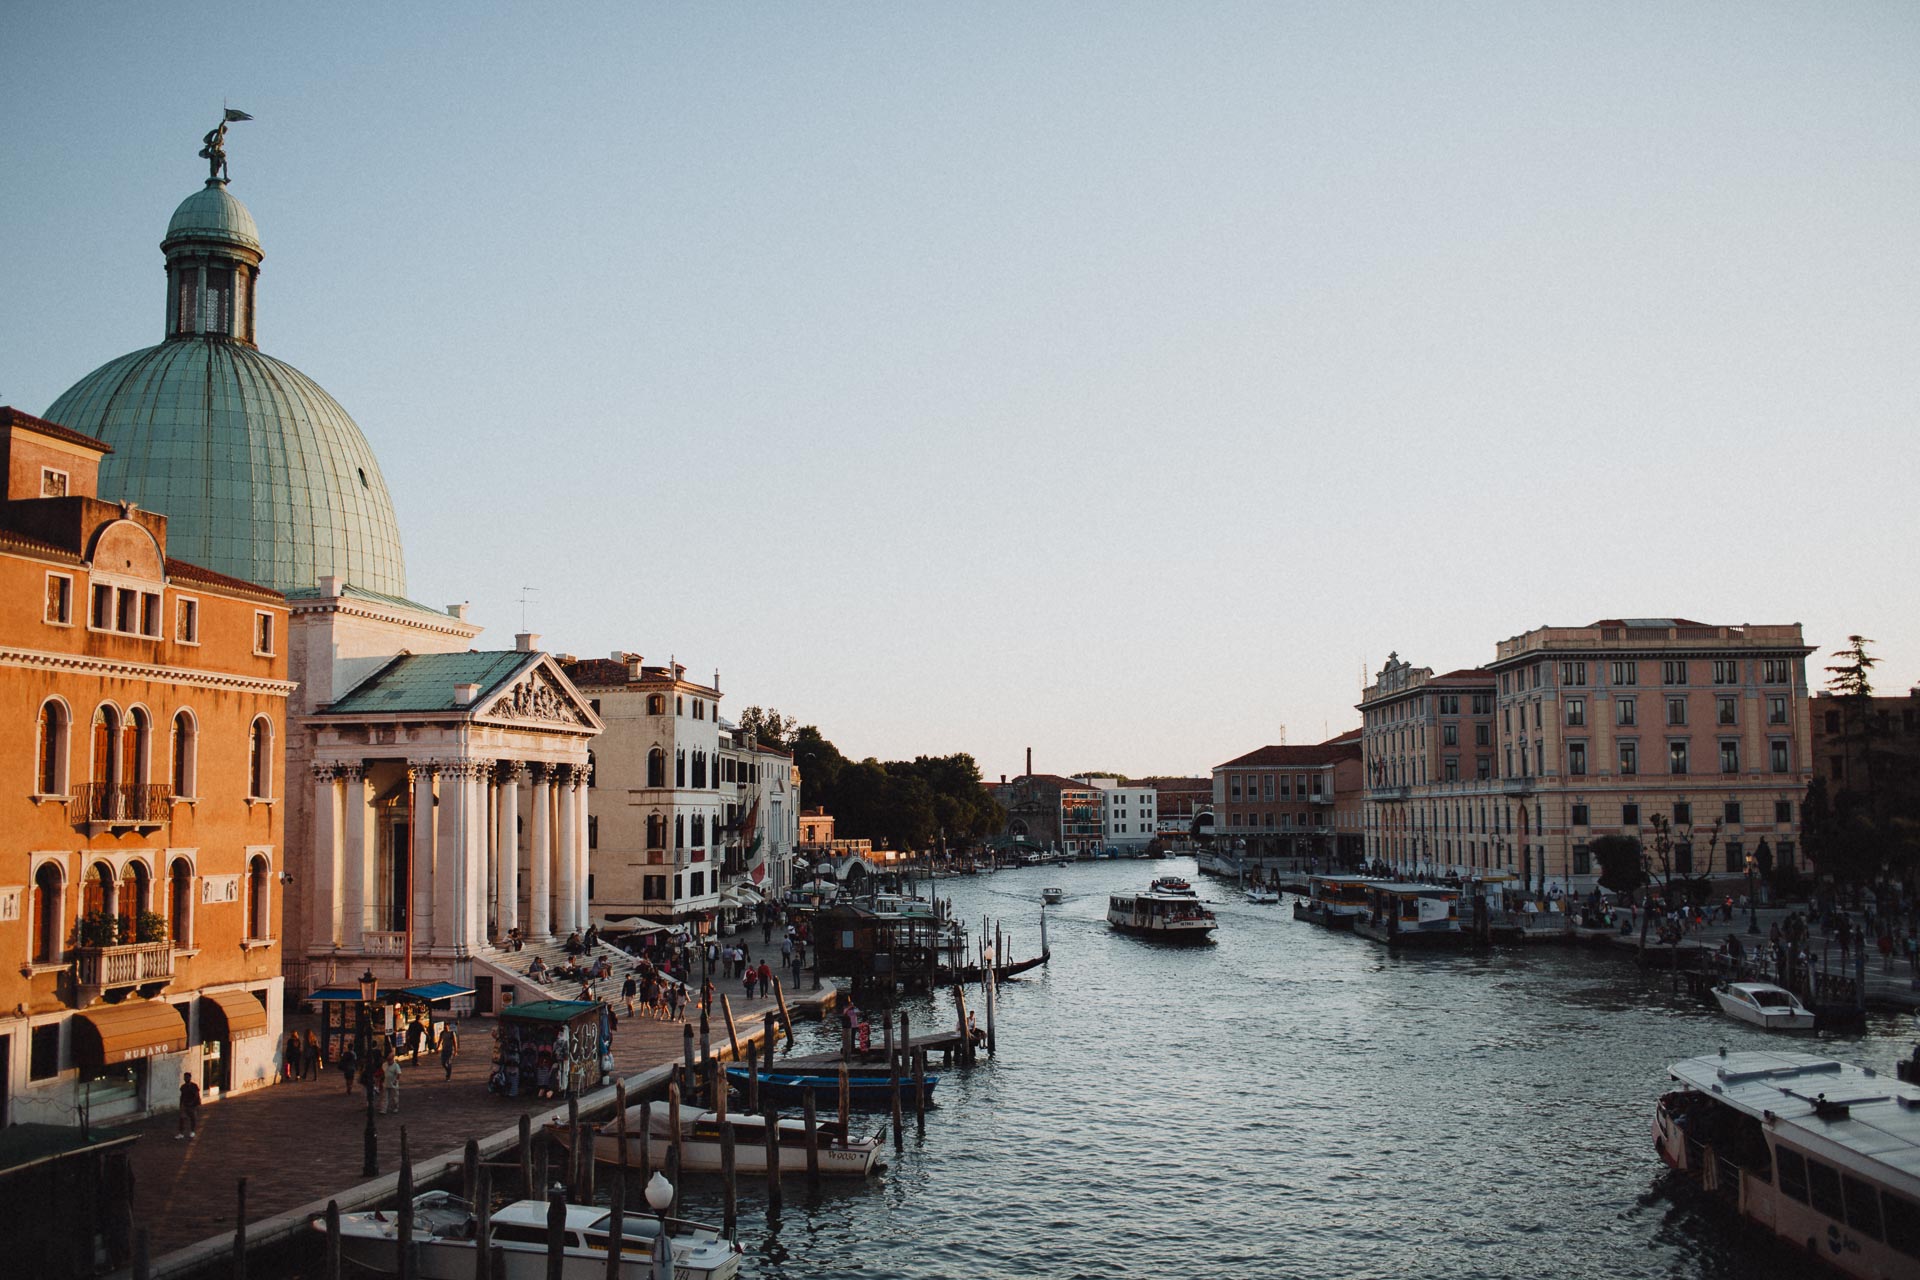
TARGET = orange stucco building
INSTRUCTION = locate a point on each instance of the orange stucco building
(140, 793)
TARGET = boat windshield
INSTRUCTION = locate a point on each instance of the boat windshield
(1772, 1000)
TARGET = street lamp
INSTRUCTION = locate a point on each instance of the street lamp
(1753, 896)
(660, 1196)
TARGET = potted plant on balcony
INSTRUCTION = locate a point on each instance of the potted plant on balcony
(95, 929)
(150, 927)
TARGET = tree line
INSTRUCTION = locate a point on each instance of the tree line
(897, 804)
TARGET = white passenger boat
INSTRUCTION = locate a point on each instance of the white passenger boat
(443, 1242)
(1402, 914)
(839, 1156)
(1053, 897)
(1764, 1005)
(1260, 893)
(1823, 1154)
(1171, 916)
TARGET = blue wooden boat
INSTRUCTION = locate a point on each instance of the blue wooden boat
(865, 1088)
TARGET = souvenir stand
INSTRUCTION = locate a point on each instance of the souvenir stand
(551, 1049)
(353, 1015)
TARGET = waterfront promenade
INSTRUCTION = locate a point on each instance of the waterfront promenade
(300, 1144)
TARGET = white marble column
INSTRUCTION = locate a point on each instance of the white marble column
(355, 858)
(420, 853)
(509, 842)
(566, 892)
(584, 861)
(479, 836)
(450, 858)
(540, 859)
(323, 895)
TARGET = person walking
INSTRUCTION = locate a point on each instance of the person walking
(310, 1057)
(766, 979)
(290, 1058)
(189, 1124)
(628, 989)
(349, 1064)
(449, 1046)
(392, 1083)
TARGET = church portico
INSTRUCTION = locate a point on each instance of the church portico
(449, 806)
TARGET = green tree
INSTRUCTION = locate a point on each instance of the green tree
(1622, 862)
(768, 727)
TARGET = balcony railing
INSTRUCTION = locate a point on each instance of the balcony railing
(380, 942)
(121, 804)
(1517, 786)
(104, 968)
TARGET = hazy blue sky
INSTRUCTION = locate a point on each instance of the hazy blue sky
(1114, 379)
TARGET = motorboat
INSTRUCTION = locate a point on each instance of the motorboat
(1053, 897)
(1173, 885)
(866, 1088)
(1764, 1005)
(838, 1156)
(1261, 893)
(1164, 913)
(445, 1228)
(1819, 1152)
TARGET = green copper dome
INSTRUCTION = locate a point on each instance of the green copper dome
(260, 473)
(211, 214)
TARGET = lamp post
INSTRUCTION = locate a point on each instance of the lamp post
(1753, 896)
(660, 1196)
(370, 1138)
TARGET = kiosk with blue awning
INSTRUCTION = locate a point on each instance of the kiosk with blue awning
(354, 1014)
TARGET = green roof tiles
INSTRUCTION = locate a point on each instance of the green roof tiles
(424, 682)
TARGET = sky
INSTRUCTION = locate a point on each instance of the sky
(1121, 381)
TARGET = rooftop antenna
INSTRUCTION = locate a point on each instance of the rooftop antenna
(1283, 733)
(525, 599)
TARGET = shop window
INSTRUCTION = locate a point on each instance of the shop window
(43, 1052)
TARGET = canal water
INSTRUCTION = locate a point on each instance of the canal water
(1286, 1103)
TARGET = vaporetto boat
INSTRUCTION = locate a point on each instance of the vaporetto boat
(1823, 1154)
(1171, 915)
(1336, 901)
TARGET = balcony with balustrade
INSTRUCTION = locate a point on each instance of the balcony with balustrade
(102, 970)
(109, 806)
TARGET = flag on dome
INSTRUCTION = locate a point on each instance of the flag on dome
(237, 115)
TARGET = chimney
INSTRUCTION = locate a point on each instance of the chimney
(526, 642)
(635, 665)
(1029, 762)
(464, 694)
(458, 610)
(1003, 779)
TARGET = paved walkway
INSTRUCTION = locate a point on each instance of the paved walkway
(295, 1143)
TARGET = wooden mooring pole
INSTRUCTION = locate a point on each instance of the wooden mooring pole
(733, 1036)
(556, 1236)
(240, 1225)
(920, 1091)
(766, 1038)
(527, 1190)
(730, 1212)
(482, 1226)
(753, 1077)
(813, 1146)
(403, 1231)
(330, 1263)
(771, 1119)
(619, 1189)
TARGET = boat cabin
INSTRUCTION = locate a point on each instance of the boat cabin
(1414, 908)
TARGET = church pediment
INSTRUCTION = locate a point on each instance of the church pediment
(540, 697)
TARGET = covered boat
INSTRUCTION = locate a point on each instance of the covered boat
(1336, 901)
(445, 1227)
(1823, 1154)
(866, 1088)
(1170, 916)
(838, 1155)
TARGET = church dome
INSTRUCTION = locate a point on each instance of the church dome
(260, 473)
(212, 214)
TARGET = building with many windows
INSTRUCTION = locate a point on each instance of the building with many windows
(1283, 800)
(1050, 811)
(662, 837)
(1595, 731)
(140, 884)
(760, 787)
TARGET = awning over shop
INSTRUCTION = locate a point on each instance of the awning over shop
(744, 893)
(434, 992)
(126, 1032)
(549, 1010)
(244, 1016)
(627, 924)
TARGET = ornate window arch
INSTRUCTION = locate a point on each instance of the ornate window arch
(259, 897)
(54, 740)
(180, 879)
(657, 767)
(260, 759)
(185, 754)
(48, 942)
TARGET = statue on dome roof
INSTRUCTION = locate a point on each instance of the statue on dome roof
(214, 146)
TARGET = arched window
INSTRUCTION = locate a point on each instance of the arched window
(700, 769)
(180, 902)
(50, 778)
(258, 916)
(133, 899)
(136, 746)
(699, 830)
(680, 767)
(656, 831)
(186, 753)
(97, 891)
(49, 912)
(656, 768)
(106, 728)
(260, 762)
(656, 704)
(679, 830)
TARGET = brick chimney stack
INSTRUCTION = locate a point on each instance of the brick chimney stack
(1029, 762)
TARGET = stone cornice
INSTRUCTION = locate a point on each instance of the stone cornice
(422, 620)
(110, 669)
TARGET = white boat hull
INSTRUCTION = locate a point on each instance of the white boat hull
(1795, 1019)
